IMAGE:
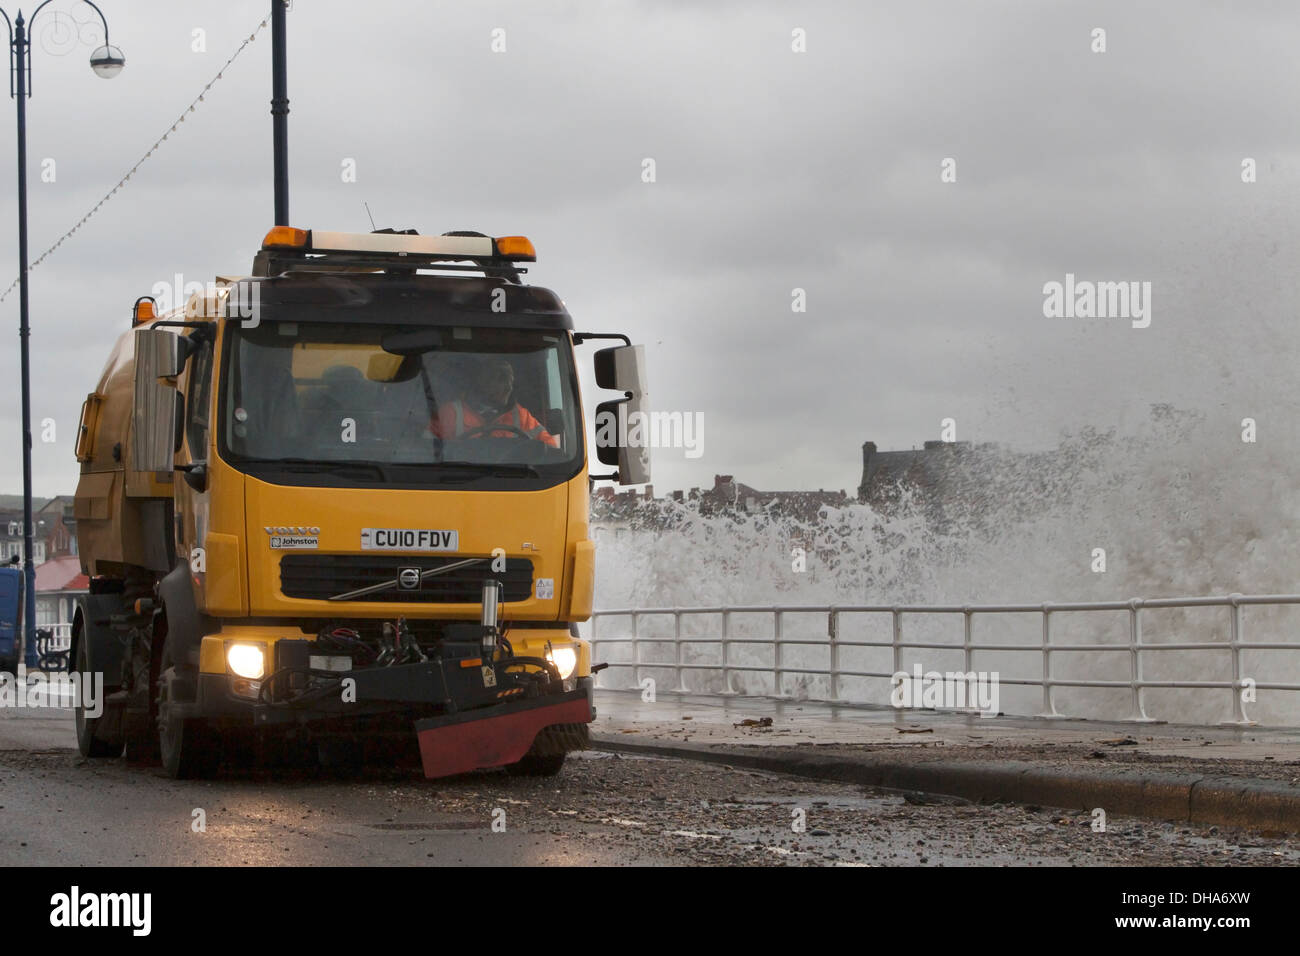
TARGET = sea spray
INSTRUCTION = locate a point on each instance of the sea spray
(1173, 506)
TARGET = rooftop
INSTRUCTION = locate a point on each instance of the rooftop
(61, 574)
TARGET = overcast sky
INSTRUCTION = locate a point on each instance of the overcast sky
(775, 170)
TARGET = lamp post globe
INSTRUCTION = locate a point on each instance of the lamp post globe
(107, 61)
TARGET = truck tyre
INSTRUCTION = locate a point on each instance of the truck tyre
(142, 748)
(188, 747)
(534, 765)
(142, 729)
(95, 735)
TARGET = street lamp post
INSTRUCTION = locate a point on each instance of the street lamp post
(107, 61)
(279, 113)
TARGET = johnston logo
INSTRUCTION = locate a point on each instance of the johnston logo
(76, 909)
(293, 538)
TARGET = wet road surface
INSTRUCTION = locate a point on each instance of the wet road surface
(602, 809)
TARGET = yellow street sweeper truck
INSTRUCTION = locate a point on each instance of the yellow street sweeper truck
(343, 502)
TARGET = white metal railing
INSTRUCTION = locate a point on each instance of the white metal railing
(62, 636)
(1137, 650)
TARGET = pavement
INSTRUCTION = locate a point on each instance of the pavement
(37, 729)
(1232, 776)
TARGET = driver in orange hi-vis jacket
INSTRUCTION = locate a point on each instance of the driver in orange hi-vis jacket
(487, 403)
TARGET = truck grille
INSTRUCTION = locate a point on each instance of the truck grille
(321, 576)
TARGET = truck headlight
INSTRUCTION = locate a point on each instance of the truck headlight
(565, 659)
(246, 660)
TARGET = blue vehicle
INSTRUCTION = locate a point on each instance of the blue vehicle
(11, 617)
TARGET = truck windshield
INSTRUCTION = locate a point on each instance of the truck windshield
(407, 404)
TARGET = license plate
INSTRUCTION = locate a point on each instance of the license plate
(408, 539)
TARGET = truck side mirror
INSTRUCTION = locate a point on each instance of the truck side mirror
(622, 437)
(153, 424)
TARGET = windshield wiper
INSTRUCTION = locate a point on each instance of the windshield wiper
(309, 465)
(489, 469)
(508, 469)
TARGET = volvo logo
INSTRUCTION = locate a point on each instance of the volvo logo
(295, 529)
(408, 579)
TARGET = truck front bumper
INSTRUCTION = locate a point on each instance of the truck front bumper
(453, 734)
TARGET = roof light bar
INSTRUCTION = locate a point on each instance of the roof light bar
(286, 237)
(466, 247)
(514, 248)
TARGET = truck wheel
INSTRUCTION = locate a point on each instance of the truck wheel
(142, 747)
(547, 765)
(96, 736)
(188, 747)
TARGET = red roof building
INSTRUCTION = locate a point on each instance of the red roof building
(58, 583)
(61, 574)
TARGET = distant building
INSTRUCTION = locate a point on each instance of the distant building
(59, 524)
(928, 469)
(54, 528)
(11, 536)
(615, 512)
(730, 496)
(59, 582)
(951, 479)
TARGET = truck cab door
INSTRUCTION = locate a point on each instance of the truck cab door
(194, 442)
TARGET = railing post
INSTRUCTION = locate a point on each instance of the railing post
(968, 656)
(1049, 688)
(777, 669)
(677, 643)
(1135, 662)
(897, 616)
(833, 632)
(595, 616)
(1239, 717)
(726, 654)
(968, 653)
(636, 651)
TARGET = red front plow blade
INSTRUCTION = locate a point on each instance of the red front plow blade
(494, 736)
